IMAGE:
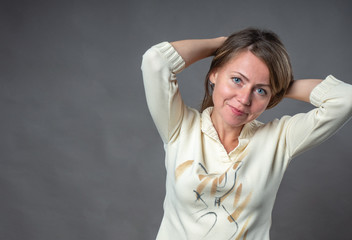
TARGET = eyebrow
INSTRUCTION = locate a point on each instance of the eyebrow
(258, 85)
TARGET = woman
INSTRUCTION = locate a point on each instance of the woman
(223, 166)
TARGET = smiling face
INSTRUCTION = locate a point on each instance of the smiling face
(242, 91)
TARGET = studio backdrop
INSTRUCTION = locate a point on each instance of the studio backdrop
(80, 157)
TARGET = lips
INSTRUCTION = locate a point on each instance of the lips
(237, 111)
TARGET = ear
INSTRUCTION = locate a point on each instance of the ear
(213, 76)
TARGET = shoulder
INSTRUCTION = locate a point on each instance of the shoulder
(257, 128)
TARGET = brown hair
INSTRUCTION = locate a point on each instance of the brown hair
(264, 44)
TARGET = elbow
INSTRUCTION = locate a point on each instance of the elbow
(146, 59)
(151, 61)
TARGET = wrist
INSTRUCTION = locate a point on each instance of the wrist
(218, 42)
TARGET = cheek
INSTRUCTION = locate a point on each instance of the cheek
(260, 107)
(222, 92)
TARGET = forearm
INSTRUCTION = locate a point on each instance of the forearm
(196, 49)
(301, 89)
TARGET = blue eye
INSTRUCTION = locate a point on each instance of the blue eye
(261, 91)
(236, 80)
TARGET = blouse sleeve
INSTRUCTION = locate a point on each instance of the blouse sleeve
(333, 101)
(160, 65)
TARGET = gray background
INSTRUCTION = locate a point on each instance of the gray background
(80, 157)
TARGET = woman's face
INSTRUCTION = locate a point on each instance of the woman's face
(241, 92)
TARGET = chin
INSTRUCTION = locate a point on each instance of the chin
(235, 124)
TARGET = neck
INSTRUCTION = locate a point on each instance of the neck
(228, 135)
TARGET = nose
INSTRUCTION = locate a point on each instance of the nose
(245, 96)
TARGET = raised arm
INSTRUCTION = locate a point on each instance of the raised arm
(301, 89)
(160, 65)
(333, 101)
(196, 49)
